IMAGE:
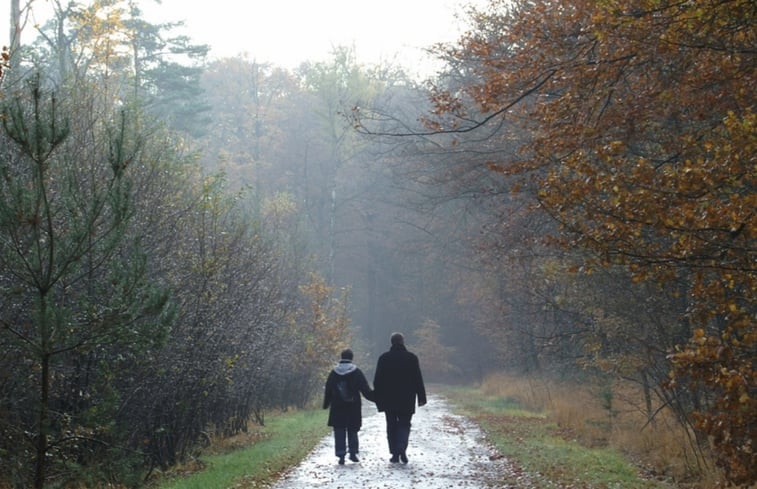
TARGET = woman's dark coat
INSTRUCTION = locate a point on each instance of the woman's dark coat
(346, 414)
(398, 381)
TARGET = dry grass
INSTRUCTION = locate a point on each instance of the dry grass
(223, 444)
(612, 416)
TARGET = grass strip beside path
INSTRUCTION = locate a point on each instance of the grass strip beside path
(534, 443)
(285, 440)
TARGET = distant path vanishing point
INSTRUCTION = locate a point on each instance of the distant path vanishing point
(446, 451)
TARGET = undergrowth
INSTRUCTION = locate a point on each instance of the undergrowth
(561, 439)
(613, 416)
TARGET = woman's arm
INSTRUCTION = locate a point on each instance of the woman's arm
(364, 388)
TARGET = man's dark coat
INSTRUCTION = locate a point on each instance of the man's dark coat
(346, 414)
(398, 381)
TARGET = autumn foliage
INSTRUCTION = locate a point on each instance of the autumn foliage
(4, 61)
(640, 141)
(322, 327)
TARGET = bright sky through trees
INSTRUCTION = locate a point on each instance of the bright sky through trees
(287, 32)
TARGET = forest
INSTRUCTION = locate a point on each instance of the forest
(187, 243)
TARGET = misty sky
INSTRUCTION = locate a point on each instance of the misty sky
(287, 32)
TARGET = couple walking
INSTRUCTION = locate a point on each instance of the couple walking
(396, 383)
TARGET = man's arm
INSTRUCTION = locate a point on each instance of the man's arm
(420, 389)
(379, 383)
(378, 376)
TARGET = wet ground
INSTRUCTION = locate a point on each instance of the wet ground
(445, 451)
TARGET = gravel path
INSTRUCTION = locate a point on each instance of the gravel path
(446, 451)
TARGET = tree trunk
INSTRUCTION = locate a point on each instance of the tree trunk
(44, 394)
(647, 397)
(332, 234)
(15, 36)
(44, 421)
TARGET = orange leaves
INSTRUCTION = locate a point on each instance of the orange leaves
(323, 326)
(4, 61)
(615, 184)
(642, 143)
(495, 167)
(721, 362)
(729, 418)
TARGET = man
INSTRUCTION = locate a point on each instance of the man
(344, 385)
(396, 383)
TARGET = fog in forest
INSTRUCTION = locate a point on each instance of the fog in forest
(198, 225)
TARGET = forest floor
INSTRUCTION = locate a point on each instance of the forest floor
(446, 451)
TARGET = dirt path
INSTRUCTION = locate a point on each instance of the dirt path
(446, 451)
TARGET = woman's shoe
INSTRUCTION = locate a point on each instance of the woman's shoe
(394, 459)
(403, 457)
(354, 458)
(341, 460)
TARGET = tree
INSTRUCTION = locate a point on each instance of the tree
(215, 370)
(138, 238)
(167, 70)
(284, 135)
(111, 44)
(74, 282)
(321, 330)
(436, 356)
(641, 136)
(15, 28)
(250, 103)
(331, 89)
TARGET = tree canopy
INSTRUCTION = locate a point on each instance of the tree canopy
(636, 130)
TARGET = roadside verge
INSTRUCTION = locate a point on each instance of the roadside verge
(254, 460)
(536, 446)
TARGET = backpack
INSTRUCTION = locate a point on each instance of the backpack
(343, 390)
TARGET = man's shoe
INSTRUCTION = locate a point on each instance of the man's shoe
(354, 458)
(341, 460)
(403, 457)
(394, 459)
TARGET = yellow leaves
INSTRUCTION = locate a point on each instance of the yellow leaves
(279, 208)
(231, 361)
(103, 35)
(639, 277)
(616, 146)
(324, 326)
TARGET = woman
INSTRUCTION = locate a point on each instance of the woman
(343, 388)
